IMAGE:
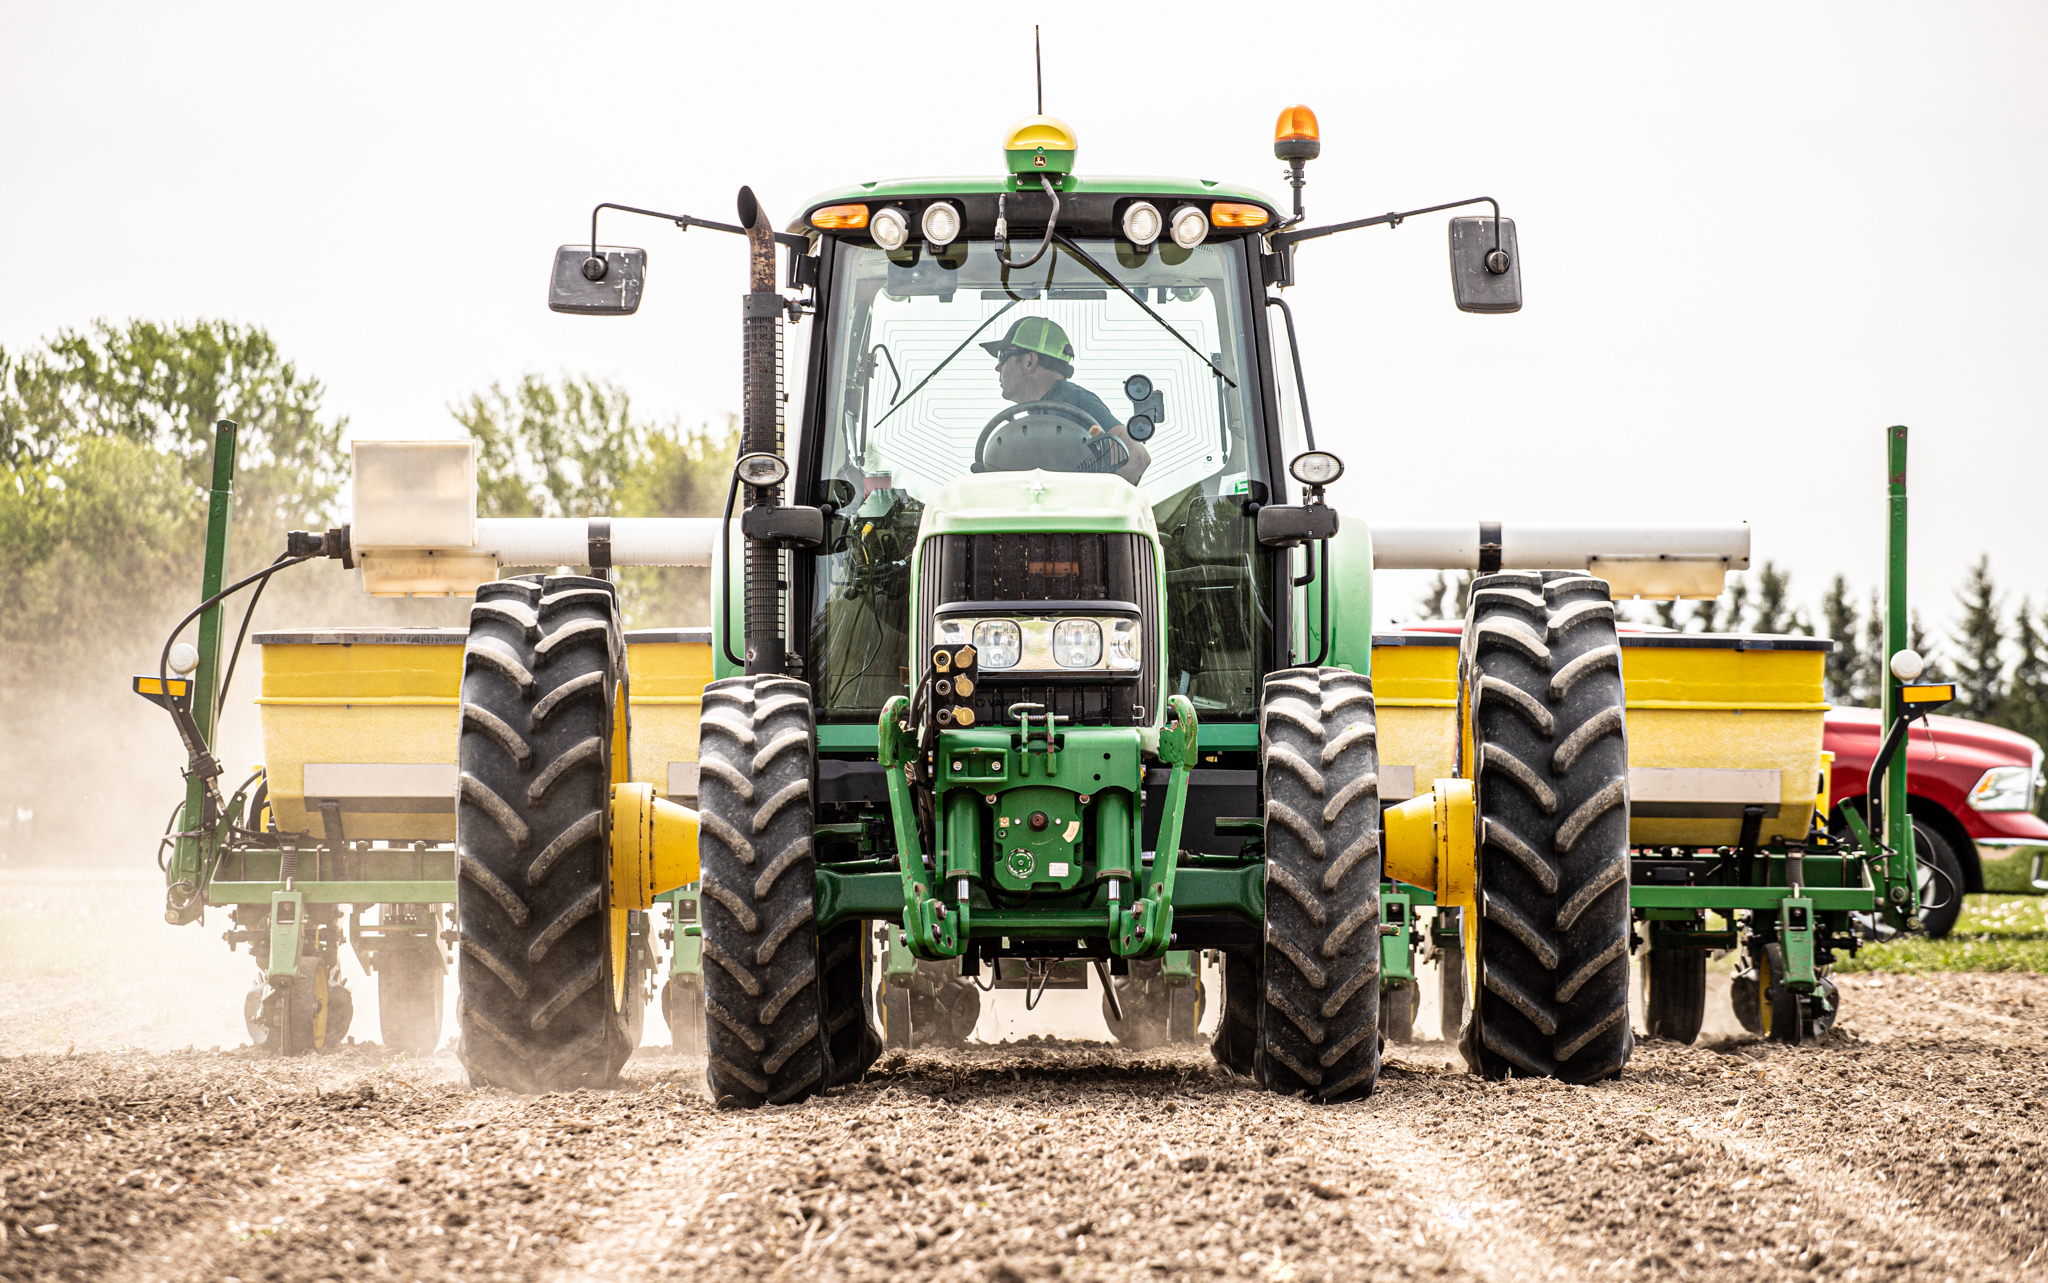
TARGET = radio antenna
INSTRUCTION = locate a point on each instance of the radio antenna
(1038, 56)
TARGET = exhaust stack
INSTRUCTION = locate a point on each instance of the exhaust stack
(761, 433)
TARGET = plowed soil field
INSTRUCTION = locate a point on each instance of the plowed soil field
(1910, 1145)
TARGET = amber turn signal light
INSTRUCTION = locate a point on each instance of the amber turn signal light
(1233, 214)
(834, 218)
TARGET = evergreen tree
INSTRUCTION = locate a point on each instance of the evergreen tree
(1706, 613)
(1838, 613)
(1667, 614)
(1980, 643)
(1431, 603)
(1870, 663)
(1917, 638)
(2026, 698)
(1738, 605)
(1773, 614)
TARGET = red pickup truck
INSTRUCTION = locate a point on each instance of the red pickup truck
(1971, 785)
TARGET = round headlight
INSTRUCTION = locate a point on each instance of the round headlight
(1077, 643)
(184, 658)
(1907, 665)
(762, 470)
(1142, 223)
(889, 228)
(1000, 642)
(1190, 226)
(1316, 468)
(940, 224)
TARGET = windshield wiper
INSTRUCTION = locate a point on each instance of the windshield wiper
(943, 364)
(1103, 272)
(963, 347)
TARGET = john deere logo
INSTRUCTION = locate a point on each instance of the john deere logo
(1039, 159)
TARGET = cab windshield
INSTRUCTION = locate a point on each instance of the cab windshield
(1113, 361)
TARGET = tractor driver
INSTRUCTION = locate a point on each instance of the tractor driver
(1035, 363)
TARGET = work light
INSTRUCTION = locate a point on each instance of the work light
(1142, 223)
(762, 470)
(1190, 226)
(889, 228)
(940, 224)
(1316, 467)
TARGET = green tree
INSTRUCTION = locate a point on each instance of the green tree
(1773, 611)
(2025, 708)
(1870, 663)
(1980, 643)
(1844, 664)
(1446, 597)
(572, 448)
(553, 450)
(163, 387)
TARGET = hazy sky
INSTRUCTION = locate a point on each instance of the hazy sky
(1753, 235)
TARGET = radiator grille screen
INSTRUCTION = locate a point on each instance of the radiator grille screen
(1049, 567)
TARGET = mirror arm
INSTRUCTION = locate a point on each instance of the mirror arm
(1284, 240)
(686, 222)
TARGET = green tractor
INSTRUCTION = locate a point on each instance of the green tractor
(1038, 657)
(1046, 651)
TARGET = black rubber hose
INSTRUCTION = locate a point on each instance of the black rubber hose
(188, 728)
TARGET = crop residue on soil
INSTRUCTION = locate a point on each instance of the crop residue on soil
(1909, 1146)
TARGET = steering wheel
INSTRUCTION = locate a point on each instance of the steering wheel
(1051, 435)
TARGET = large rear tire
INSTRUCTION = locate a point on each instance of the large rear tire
(543, 680)
(764, 998)
(1541, 669)
(1319, 763)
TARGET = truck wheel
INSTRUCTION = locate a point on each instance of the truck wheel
(409, 989)
(1941, 883)
(1319, 764)
(1541, 683)
(849, 974)
(764, 1030)
(541, 741)
(1397, 1011)
(1675, 993)
(682, 1007)
(1236, 1044)
(1451, 992)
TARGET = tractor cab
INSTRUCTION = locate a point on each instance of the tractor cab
(1118, 371)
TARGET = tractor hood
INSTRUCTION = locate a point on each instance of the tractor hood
(1051, 502)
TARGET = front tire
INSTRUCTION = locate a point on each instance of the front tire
(544, 678)
(1319, 763)
(764, 1003)
(1541, 669)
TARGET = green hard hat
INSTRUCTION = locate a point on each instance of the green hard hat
(1033, 334)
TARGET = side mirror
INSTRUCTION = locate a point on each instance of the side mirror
(607, 283)
(1485, 280)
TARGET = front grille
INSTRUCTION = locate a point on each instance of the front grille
(1050, 567)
